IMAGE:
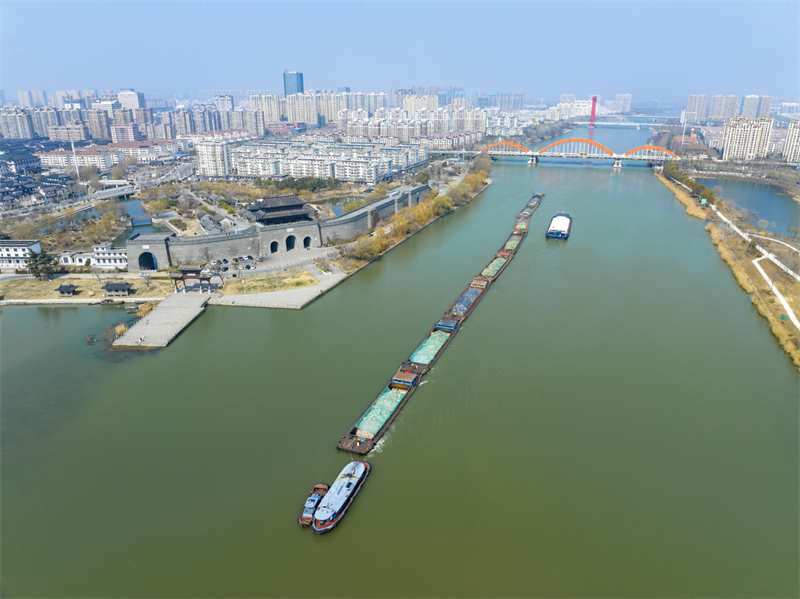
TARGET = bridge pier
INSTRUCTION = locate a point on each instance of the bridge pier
(617, 163)
(533, 160)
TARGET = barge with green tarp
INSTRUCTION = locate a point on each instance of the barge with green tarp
(377, 418)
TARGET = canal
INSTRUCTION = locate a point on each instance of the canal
(614, 420)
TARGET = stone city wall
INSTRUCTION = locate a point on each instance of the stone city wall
(169, 250)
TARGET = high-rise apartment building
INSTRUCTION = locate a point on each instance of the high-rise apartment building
(223, 102)
(625, 101)
(42, 119)
(268, 104)
(696, 106)
(16, 124)
(214, 158)
(292, 83)
(791, 147)
(744, 138)
(567, 98)
(125, 132)
(39, 97)
(723, 107)
(123, 116)
(98, 123)
(71, 132)
(412, 104)
(764, 105)
(108, 105)
(143, 116)
(130, 99)
(24, 98)
(750, 106)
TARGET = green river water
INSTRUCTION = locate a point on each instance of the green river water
(614, 420)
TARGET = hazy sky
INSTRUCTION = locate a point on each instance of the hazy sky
(663, 50)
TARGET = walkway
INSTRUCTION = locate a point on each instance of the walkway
(165, 322)
(290, 298)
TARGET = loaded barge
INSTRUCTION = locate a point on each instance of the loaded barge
(375, 421)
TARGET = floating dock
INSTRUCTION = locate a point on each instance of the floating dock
(379, 415)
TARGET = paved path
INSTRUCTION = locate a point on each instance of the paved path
(290, 298)
(165, 322)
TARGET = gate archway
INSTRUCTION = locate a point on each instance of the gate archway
(290, 241)
(147, 261)
(273, 247)
(306, 242)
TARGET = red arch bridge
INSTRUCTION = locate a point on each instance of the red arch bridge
(573, 148)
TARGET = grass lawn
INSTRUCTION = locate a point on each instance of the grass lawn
(293, 279)
(87, 288)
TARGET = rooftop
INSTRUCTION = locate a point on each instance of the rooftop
(19, 242)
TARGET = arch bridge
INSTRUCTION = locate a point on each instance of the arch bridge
(579, 148)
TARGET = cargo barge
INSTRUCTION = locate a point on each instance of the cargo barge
(560, 226)
(362, 437)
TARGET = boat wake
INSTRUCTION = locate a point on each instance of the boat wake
(378, 448)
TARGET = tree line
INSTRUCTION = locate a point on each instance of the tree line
(699, 190)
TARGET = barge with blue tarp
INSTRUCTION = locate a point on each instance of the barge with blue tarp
(377, 418)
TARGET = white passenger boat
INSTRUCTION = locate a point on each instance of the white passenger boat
(340, 496)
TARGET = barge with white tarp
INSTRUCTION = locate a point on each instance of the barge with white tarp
(375, 421)
(560, 226)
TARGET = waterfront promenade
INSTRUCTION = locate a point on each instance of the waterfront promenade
(164, 323)
(288, 298)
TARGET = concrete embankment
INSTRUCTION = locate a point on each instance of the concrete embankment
(288, 298)
(166, 322)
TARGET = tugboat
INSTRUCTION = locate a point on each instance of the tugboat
(560, 226)
(340, 496)
(316, 495)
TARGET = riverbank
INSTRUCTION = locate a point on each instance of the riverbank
(683, 195)
(735, 252)
(89, 289)
(739, 255)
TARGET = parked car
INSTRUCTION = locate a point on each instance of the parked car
(224, 269)
(250, 258)
(224, 260)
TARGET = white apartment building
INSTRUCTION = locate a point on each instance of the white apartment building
(355, 162)
(16, 253)
(745, 138)
(214, 158)
(107, 256)
(64, 159)
(412, 104)
(750, 106)
(723, 107)
(696, 106)
(791, 147)
(103, 255)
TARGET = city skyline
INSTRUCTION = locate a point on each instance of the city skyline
(502, 50)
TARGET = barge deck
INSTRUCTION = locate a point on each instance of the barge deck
(365, 433)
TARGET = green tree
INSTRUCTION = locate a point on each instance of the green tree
(42, 265)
